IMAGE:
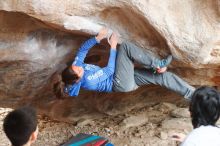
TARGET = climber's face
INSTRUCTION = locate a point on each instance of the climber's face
(78, 70)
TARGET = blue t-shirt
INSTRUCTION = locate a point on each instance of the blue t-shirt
(94, 77)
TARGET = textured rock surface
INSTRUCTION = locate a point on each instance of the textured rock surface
(37, 37)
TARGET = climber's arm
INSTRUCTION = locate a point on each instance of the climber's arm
(83, 50)
(110, 68)
(106, 72)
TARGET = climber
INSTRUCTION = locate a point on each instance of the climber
(20, 126)
(204, 111)
(120, 75)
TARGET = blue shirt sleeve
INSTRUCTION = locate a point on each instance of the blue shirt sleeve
(79, 60)
(110, 68)
(83, 50)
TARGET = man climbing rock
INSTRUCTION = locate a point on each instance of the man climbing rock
(120, 75)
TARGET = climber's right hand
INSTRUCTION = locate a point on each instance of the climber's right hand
(113, 40)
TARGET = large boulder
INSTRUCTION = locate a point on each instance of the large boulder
(39, 38)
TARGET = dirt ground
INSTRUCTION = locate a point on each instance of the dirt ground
(148, 126)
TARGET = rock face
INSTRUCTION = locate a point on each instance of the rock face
(38, 38)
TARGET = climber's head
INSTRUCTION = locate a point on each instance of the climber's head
(78, 70)
(72, 74)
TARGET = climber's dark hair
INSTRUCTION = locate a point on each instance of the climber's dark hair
(19, 125)
(69, 76)
(205, 106)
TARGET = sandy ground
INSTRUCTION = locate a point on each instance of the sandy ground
(149, 126)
